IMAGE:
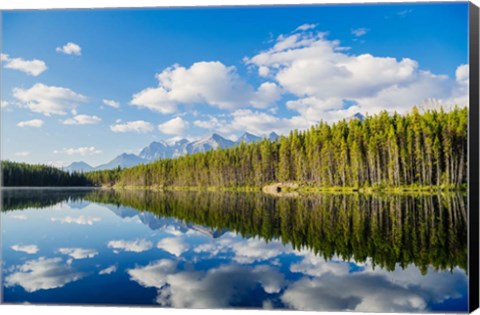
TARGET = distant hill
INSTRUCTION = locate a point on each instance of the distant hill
(81, 167)
(162, 150)
(123, 160)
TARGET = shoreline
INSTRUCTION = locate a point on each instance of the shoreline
(306, 190)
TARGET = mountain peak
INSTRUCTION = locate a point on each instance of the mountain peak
(273, 136)
(248, 138)
(357, 116)
(78, 166)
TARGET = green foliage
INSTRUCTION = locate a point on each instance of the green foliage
(428, 149)
(390, 229)
(22, 174)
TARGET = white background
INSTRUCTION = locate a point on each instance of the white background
(83, 310)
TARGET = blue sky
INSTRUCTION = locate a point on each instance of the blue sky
(129, 77)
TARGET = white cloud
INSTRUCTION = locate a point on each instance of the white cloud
(23, 153)
(462, 74)
(31, 67)
(108, 270)
(48, 100)
(138, 126)
(305, 27)
(78, 253)
(81, 220)
(173, 245)
(82, 120)
(29, 249)
(4, 104)
(78, 151)
(36, 123)
(205, 289)
(111, 103)
(175, 126)
(255, 122)
(263, 71)
(360, 31)
(70, 49)
(266, 95)
(324, 78)
(136, 246)
(210, 83)
(42, 274)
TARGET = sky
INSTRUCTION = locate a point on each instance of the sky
(91, 84)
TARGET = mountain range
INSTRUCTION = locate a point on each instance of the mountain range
(162, 150)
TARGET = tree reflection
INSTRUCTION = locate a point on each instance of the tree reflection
(424, 230)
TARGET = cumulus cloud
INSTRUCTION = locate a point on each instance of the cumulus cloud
(173, 245)
(78, 253)
(111, 103)
(33, 67)
(22, 153)
(42, 274)
(138, 126)
(78, 151)
(70, 49)
(210, 83)
(4, 104)
(81, 220)
(29, 249)
(36, 123)
(256, 122)
(82, 120)
(360, 31)
(48, 100)
(108, 270)
(306, 27)
(205, 289)
(136, 246)
(175, 126)
(325, 79)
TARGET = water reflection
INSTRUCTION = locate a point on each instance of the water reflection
(206, 250)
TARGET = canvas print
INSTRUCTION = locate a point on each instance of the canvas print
(302, 157)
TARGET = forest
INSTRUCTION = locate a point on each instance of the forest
(426, 149)
(416, 150)
(22, 174)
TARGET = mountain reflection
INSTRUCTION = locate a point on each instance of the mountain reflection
(386, 253)
(390, 229)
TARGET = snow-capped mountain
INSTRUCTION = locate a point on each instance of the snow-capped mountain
(272, 136)
(81, 167)
(123, 160)
(358, 116)
(163, 150)
(213, 142)
(249, 138)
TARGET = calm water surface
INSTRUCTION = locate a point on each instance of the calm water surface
(245, 250)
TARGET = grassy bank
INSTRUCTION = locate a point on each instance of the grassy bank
(306, 189)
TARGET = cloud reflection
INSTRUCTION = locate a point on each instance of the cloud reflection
(217, 287)
(42, 274)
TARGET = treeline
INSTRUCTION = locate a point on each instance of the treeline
(393, 230)
(417, 149)
(22, 174)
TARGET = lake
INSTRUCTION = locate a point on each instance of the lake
(355, 252)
